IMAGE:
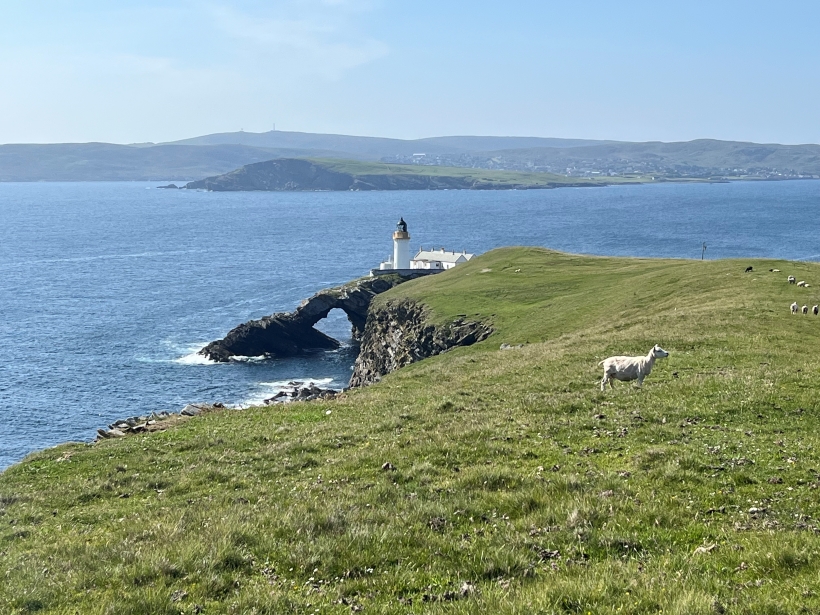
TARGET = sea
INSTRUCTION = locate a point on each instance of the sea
(108, 290)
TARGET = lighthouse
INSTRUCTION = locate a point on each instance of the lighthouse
(401, 246)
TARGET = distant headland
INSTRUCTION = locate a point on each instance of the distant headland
(294, 174)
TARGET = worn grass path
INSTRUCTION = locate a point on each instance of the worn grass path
(518, 486)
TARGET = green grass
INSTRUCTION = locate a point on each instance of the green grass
(513, 472)
(487, 176)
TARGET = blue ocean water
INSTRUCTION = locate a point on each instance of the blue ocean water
(106, 289)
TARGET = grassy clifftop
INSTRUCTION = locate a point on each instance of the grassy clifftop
(513, 486)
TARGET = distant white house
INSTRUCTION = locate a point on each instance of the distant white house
(438, 259)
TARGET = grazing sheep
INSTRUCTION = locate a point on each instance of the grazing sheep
(775, 270)
(805, 309)
(814, 310)
(792, 279)
(748, 269)
(801, 283)
(630, 368)
(794, 307)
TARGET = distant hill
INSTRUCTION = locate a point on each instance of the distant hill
(375, 148)
(209, 155)
(108, 162)
(291, 174)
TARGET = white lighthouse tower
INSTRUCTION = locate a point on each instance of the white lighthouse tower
(401, 246)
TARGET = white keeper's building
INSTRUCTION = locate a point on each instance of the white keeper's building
(431, 260)
(438, 259)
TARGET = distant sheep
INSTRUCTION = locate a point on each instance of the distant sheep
(802, 283)
(794, 307)
(775, 270)
(792, 279)
(805, 309)
(749, 268)
(814, 310)
(630, 368)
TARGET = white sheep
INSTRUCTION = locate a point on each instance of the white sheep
(805, 309)
(792, 279)
(814, 310)
(794, 307)
(630, 368)
(801, 283)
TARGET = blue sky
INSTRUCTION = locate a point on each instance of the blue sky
(129, 71)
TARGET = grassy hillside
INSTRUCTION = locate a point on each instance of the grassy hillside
(514, 484)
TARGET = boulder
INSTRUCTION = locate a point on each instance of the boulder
(191, 410)
(111, 433)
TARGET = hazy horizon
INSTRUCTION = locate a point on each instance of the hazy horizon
(150, 71)
(399, 138)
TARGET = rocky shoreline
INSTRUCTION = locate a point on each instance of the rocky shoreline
(392, 334)
(160, 421)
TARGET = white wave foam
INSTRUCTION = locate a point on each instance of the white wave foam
(243, 359)
(194, 359)
(266, 390)
(285, 384)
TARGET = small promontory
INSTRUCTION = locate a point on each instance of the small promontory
(297, 174)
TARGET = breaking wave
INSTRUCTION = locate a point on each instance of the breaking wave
(266, 390)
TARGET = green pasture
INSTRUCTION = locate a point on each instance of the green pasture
(483, 176)
(478, 481)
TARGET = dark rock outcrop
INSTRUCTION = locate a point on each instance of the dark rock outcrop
(287, 174)
(399, 333)
(299, 391)
(286, 334)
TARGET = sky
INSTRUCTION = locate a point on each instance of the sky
(138, 71)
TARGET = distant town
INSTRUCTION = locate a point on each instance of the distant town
(592, 168)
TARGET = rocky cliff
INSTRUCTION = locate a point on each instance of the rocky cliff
(399, 333)
(286, 334)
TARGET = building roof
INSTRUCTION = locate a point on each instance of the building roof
(442, 256)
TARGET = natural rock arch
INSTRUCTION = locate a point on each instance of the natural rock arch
(286, 334)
